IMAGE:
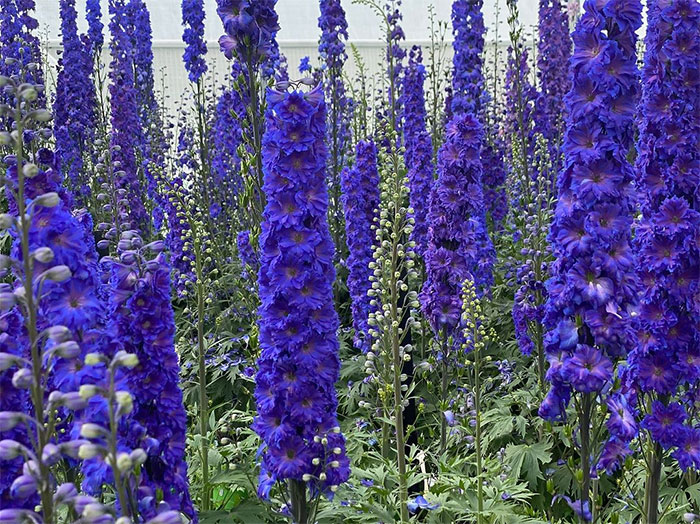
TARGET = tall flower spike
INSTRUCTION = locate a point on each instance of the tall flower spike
(193, 36)
(553, 52)
(360, 185)
(93, 14)
(666, 361)
(456, 226)
(126, 127)
(334, 33)
(469, 96)
(298, 365)
(593, 289)
(74, 104)
(419, 147)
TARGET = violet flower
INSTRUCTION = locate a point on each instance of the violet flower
(360, 198)
(299, 365)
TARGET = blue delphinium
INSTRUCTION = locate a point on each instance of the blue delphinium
(195, 46)
(360, 198)
(251, 30)
(665, 363)
(593, 287)
(468, 96)
(143, 324)
(553, 52)
(467, 77)
(226, 139)
(419, 147)
(334, 33)
(456, 226)
(93, 14)
(74, 103)
(126, 128)
(298, 365)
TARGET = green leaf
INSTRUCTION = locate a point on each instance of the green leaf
(526, 458)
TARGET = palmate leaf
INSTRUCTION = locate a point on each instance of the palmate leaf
(526, 458)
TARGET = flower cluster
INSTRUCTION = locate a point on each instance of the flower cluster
(334, 33)
(667, 356)
(126, 126)
(251, 30)
(93, 14)
(142, 324)
(360, 185)
(395, 53)
(74, 105)
(467, 78)
(468, 96)
(298, 364)
(593, 287)
(553, 52)
(419, 147)
(456, 233)
(193, 36)
(226, 138)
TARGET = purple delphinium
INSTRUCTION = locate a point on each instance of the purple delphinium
(360, 198)
(298, 365)
(666, 361)
(553, 52)
(251, 30)
(331, 48)
(591, 230)
(468, 96)
(419, 147)
(226, 138)
(468, 30)
(143, 323)
(74, 106)
(593, 287)
(456, 227)
(126, 127)
(193, 36)
(93, 14)
(519, 108)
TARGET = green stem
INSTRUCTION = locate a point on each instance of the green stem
(479, 459)
(299, 505)
(652, 483)
(201, 356)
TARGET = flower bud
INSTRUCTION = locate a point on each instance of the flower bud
(24, 486)
(50, 199)
(88, 451)
(43, 255)
(92, 359)
(138, 456)
(51, 455)
(6, 221)
(58, 273)
(125, 402)
(22, 379)
(124, 462)
(64, 493)
(59, 333)
(8, 360)
(128, 360)
(88, 391)
(69, 349)
(9, 419)
(10, 449)
(90, 430)
(30, 170)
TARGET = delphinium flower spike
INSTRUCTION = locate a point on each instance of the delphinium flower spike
(665, 363)
(452, 255)
(360, 197)
(593, 287)
(469, 96)
(251, 30)
(193, 36)
(298, 365)
(419, 147)
(553, 52)
(334, 33)
(126, 127)
(74, 104)
(40, 353)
